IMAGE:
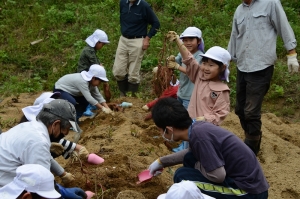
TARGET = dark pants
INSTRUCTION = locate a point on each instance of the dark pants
(250, 91)
(80, 102)
(188, 172)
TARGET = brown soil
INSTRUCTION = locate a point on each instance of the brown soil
(129, 145)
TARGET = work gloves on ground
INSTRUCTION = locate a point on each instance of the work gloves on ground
(172, 36)
(106, 110)
(292, 62)
(56, 148)
(156, 168)
(171, 63)
(71, 193)
(145, 107)
(67, 178)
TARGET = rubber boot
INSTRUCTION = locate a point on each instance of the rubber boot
(133, 88)
(253, 142)
(123, 87)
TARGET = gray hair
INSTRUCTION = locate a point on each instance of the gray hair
(48, 119)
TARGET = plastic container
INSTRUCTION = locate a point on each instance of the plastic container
(89, 194)
(125, 104)
(95, 159)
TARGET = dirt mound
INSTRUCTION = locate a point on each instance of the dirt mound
(129, 145)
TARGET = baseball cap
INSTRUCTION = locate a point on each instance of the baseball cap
(63, 109)
(31, 112)
(191, 32)
(95, 71)
(33, 178)
(220, 54)
(98, 35)
(184, 190)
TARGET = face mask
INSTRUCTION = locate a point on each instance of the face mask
(56, 139)
(166, 139)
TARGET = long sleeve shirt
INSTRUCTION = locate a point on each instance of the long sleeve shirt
(186, 87)
(87, 58)
(75, 85)
(254, 34)
(26, 143)
(135, 19)
(209, 98)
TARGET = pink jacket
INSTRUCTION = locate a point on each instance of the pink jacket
(209, 98)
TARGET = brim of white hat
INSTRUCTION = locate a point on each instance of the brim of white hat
(189, 35)
(31, 112)
(162, 196)
(11, 190)
(212, 57)
(87, 76)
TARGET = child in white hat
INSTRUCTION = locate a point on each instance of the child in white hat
(192, 39)
(210, 98)
(81, 89)
(88, 57)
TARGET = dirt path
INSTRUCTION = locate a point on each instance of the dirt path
(129, 144)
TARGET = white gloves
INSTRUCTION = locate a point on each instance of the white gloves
(106, 110)
(292, 63)
(66, 179)
(145, 107)
(156, 168)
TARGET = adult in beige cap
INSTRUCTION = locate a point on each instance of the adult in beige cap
(29, 142)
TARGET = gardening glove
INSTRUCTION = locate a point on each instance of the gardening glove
(172, 64)
(56, 148)
(106, 110)
(292, 63)
(155, 168)
(71, 193)
(83, 153)
(67, 178)
(145, 107)
(172, 36)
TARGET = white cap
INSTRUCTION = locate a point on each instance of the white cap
(184, 190)
(94, 71)
(219, 54)
(31, 112)
(46, 95)
(98, 35)
(191, 32)
(33, 178)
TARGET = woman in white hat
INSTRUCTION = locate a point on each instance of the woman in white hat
(81, 89)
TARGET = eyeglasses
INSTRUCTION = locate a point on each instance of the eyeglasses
(166, 139)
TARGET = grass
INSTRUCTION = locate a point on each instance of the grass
(64, 25)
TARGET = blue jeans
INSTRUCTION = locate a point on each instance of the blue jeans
(188, 172)
(80, 103)
(184, 102)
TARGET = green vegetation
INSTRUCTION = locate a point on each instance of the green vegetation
(64, 25)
